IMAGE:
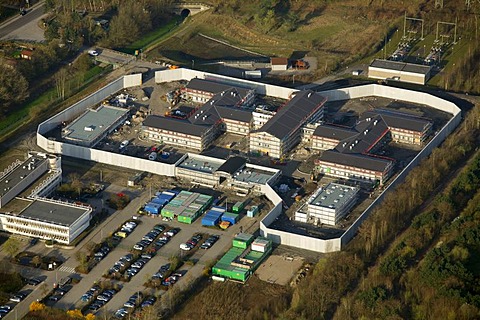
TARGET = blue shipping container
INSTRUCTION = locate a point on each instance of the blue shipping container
(152, 207)
(159, 201)
(209, 221)
(230, 217)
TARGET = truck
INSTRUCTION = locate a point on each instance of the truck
(300, 64)
(252, 74)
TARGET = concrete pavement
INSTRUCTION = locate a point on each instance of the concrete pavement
(72, 299)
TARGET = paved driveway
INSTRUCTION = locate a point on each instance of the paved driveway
(25, 27)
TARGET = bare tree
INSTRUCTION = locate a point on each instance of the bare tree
(60, 82)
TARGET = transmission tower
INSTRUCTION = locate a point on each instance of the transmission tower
(439, 4)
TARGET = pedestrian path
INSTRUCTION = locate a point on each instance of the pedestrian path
(67, 269)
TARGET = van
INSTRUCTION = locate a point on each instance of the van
(152, 156)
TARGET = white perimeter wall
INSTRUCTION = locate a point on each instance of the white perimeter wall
(319, 245)
(277, 236)
(187, 74)
(84, 153)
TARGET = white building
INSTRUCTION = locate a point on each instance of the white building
(26, 211)
(49, 220)
(328, 205)
(399, 71)
(284, 130)
(279, 64)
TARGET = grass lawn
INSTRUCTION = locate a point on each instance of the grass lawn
(154, 36)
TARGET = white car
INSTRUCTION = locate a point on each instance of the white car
(186, 247)
(93, 53)
(124, 144)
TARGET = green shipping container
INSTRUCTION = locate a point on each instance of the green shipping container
(184, 219)
(238, 207)
(242, 240)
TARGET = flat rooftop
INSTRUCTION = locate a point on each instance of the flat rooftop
(14, 177)
(252, 175)
(400, 66)
(59, 213)
(92, 123)
(198, 164)
(333, 196)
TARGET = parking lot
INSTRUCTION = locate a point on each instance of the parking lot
(71, 300)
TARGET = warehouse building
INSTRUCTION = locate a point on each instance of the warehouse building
(94, 125)
(245, 256)
(328, 205)
(201, 91)
(399, 71)
(284, 130)
(187, 206)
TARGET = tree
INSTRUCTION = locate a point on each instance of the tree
(90, 316)
(76, 183)
(13, 86)
(36, 260)
(60, 82)
(132, 21)
(76, 313)
(36, 306)
(11, 246)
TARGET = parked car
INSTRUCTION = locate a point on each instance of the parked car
(186, 246)
(172, 232)
(149, 301)
(93, 53)
(138, 247)
(34, 281)
(18, 297)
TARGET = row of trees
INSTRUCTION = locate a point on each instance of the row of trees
(129, 20)
(430, 262)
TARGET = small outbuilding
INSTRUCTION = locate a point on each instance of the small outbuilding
(279, 64)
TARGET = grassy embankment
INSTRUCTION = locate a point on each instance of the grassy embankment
(44, 104)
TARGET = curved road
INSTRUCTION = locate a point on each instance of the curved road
(24, 27)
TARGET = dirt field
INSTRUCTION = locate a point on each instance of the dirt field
(279, 269)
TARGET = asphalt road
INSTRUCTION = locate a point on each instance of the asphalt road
(24, 27)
